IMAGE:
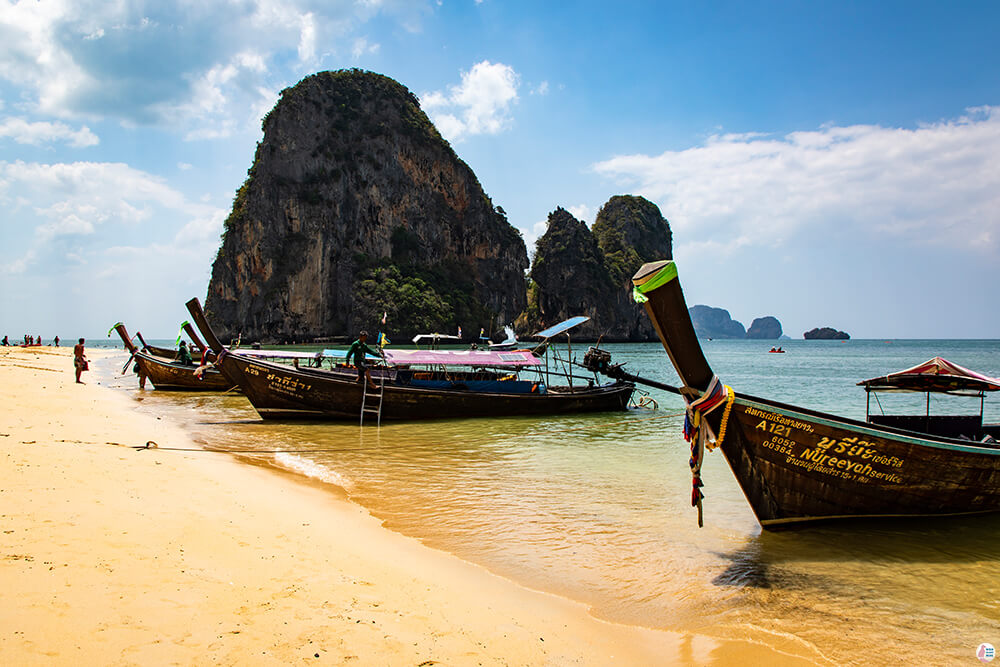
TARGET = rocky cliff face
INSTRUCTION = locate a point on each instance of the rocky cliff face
(631, 231)
(765, 328)
(355, 206)
(568, 277)
(715, 323)
(579, 271)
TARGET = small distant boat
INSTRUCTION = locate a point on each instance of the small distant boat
(432, 341)
(798, 466)
(776, 350)
(509, 342)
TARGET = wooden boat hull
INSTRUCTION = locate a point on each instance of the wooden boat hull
(285, 392)
(178, 377)
(797, 465)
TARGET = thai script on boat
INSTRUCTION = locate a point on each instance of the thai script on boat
(849, 458)
(286, 385)
(779, 419)
(854, 446)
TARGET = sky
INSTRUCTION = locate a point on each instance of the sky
(828, 163)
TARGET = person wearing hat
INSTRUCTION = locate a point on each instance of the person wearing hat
(358, 350)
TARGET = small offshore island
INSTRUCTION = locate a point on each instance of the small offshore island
(826, 333)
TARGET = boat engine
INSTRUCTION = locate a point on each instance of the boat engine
(599, 361)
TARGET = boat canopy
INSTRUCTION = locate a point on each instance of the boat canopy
(477, 358)
(934, 375)
(562, 327)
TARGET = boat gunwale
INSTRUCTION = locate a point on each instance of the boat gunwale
(911, 437)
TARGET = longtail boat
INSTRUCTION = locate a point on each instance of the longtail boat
(166, 373)
(412, 385)
(796, 465)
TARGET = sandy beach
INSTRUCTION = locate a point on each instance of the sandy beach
(112, 554)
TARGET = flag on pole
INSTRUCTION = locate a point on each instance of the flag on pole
(180, 333)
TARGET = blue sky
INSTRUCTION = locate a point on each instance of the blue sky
(827, 163)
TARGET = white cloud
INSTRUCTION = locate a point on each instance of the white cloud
(541, 89)
(209, 108)
(307, 38)
(480, 104)
(96, 200)
(362, 47)
(533, 233)
(38, 133)
(938, 184)
(581, 212)
(175, 64)
(18, 265)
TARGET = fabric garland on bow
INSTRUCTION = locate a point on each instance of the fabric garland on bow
(699, 432)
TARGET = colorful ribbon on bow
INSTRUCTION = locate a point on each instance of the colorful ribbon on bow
(699, 432)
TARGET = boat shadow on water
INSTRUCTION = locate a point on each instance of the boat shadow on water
(772, 560)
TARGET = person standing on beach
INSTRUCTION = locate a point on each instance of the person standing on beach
(79, 361)
(56, 341)
(358, 350)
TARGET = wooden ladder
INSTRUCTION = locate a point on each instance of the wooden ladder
(372, 395)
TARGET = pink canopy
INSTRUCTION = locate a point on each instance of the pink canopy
(512, 358)
(935, 374)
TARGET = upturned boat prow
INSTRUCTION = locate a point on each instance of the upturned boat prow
(798, 466)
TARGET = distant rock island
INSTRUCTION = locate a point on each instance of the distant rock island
(715, 323)
(825, 333)
(765, 328)
(355, 207)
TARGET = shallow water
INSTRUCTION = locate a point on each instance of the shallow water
(596, 508)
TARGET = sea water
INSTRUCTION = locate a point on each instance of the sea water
(597, 507)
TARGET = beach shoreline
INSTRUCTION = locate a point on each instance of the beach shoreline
(116, 554)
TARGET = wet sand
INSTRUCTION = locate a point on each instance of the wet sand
(116, 555)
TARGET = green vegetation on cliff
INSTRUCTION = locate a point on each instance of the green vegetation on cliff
(631, 231)
(579, 271)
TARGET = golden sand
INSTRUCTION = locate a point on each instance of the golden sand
(116, 555)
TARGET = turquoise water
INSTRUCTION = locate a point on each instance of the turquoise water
(596, 508)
